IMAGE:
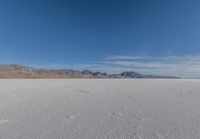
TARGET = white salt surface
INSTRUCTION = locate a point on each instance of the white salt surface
(100, 109)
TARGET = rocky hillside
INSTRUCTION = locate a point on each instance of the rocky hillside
(15, 71)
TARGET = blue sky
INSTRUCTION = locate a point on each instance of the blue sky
(150, 37)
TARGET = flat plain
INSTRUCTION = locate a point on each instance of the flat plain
(100, 109)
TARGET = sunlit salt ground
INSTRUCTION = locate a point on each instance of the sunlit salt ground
(100, 109)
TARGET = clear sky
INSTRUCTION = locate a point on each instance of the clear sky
(147, 36)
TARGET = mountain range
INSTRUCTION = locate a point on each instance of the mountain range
(15, 71)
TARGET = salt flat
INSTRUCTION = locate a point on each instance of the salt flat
(100, 109)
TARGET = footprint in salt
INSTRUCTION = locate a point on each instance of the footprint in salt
(116, 114)
(70, 117)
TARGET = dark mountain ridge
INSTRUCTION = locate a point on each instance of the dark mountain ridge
(15, 71)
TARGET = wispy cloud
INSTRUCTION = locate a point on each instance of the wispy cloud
(182, 66)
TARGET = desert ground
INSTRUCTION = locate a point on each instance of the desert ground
(100, 109)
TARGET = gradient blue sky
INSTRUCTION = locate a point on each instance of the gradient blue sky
(147, 36)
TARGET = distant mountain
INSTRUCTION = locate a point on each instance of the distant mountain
(131, 75)
(14, 71)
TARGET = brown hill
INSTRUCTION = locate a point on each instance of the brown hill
(18, 71)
